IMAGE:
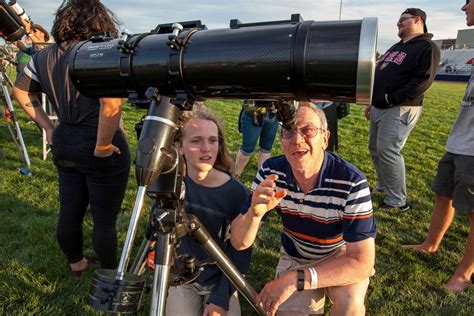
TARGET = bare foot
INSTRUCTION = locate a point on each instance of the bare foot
(457, 284)
(421, 247)
(79, 266)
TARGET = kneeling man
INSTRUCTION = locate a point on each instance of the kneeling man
(328, 224)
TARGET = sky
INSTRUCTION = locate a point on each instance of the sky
(444, 18)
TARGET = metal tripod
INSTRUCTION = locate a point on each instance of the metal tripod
(9, 116)
(159, 171)
(167, 225)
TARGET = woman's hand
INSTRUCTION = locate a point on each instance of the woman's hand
(214, 310)
(106, 153)
(49, 135)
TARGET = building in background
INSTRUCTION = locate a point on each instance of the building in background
(457, 56)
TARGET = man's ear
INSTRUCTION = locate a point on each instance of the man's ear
(326, 136)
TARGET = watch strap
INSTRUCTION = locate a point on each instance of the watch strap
(300, 280)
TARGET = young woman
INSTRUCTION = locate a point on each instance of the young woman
(216, 199)
(89, 149)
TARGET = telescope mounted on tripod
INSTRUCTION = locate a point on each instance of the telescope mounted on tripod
(176, 64)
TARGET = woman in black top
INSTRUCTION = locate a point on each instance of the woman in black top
(89, 149)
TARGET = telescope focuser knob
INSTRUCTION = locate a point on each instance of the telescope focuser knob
(177, 28)
(125, 35)
(123, 45)
(152, 93)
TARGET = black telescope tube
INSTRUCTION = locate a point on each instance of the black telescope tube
(155, 153)
(10, 24)
(287, 61)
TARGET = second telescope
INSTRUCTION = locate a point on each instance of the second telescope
(286, 60)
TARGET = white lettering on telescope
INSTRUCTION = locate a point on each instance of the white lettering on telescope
(100, 46)
(96, 55)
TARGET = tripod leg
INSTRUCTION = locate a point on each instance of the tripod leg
(138, 264)
(163, 250)
(22, 143)
(14, 118)
(225, 264)
(12, 133)
(132, 229)
(7, 78)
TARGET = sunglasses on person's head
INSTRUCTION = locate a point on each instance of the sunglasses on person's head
(306, 132)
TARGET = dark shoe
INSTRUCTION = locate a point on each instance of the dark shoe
(402, 208)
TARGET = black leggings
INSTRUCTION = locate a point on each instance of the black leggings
(88, 180)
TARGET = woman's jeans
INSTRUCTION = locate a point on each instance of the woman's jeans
(251, 133)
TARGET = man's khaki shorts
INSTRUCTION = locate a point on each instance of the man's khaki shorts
(308, 301)
(190, 300)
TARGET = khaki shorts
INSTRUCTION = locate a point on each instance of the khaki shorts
(190, 300)
(307, 301)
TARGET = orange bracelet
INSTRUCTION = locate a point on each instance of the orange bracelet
(103, 148)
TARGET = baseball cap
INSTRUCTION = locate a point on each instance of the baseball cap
(420, 13)
(43, 30)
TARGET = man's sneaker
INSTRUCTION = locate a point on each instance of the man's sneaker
(402, 208)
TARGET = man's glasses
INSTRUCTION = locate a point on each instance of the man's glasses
(306, 132)
(404, 18)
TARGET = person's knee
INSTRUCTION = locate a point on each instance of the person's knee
(387, 150)
(349, 300)
(349, 304)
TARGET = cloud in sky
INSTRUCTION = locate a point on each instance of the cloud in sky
(444, 18)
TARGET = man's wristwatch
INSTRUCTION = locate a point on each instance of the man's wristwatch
(300, 282)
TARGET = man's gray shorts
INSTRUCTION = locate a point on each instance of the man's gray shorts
(455, 178)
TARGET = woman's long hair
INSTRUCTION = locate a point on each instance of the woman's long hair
(78, 20)
(223, 162)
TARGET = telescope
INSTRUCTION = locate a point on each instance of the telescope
(11, 26)
(176, 64)
(277, 60)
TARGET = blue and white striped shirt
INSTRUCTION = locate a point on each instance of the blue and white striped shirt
(336, 210)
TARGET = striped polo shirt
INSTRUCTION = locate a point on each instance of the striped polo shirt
(336, 210)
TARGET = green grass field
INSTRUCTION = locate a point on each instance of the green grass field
(34, 276)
